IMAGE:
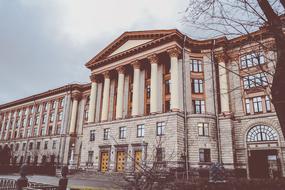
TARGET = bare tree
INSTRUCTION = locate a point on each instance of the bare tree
(233, 18)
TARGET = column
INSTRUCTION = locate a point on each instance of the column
(3, 126)
(76, 97)
(120, 93)
(106, 94)
(54, 124)
(153, 83)
(223, 81)
(92, 103)
(175, 95)
(136, 85)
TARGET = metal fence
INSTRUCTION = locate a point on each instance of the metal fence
(10, 184)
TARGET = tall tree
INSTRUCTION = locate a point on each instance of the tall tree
(233, 18)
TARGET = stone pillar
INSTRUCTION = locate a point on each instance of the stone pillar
(153, 59)
(76, 97)
(106, 94)
(136, 88)
(175, 95)
(223, 81)
(120, 93)
(92, 103)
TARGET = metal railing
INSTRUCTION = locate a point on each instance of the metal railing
(10, 184)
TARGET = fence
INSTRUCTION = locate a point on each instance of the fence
(10, 184)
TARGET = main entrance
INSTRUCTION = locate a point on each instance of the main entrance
(104, 161)
(121, 161)
(263, 164)
(263, 161)
(138, 159)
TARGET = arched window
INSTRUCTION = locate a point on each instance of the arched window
(261, 133)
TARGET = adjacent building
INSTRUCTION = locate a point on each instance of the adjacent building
(158, 97)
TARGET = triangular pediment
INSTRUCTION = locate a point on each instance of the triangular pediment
(129, 40)
(128, 45)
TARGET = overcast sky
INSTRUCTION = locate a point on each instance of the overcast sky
(44, 44)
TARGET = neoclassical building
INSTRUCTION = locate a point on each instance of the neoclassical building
(158, 97)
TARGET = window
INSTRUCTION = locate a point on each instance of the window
(54, 144)
(257, 104)
(51, 118)
(196, 65)
(140, 130)
(46, 145)
(92, 135)
(122, 132)
(45, 106)
(251, 59)
(160, 127)
(30, 122)
(37, 120)
(61, 102)
(203, 129)
(106, 134)
(44, 119)
(31, 146)
(58, 130)
(160, 154)
(256, 80)
(247, 106)
(24, 146)
(199, 106)
(59, 116)
(167, 87)
(86, 114)
(53, 105)
(90, 157)
(267, 104)
(38, 145)
(35, 131)
(43, 132)
(17, 147)
(204, 155)
(29, 133)
(261, 133)
(197, 86)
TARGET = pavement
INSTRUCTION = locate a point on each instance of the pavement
(79, 181)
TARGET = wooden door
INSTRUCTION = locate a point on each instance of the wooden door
(121, 161)
(138, 160)
(104, 161)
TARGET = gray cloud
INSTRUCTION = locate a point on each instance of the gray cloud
(36, 56)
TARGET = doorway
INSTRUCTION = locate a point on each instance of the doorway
(263, 164)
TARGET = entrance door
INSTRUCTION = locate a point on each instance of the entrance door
(121, 161)
(104, 161)
(138, 160)
(263, 163)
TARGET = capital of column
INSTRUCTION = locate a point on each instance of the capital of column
(76, 95)
(106, 74)
(174, 52)
(221, 57)
(94, 78)
(153, 59)
(136, 64)
(120, 70)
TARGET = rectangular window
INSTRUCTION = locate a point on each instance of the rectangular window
(106, 134)
(17, 147)
(51, 118)
(37, 120)
(196, 65)
(44, 119)
(203, 129)
(247, 106)
(90, 157)
(167, 87)
(31, 146)
(140, 130)
(54, 144)
(38, 145)
(252, 59)
(59, 116)
(148, 91)
(257, 104)
(122, 132)
(204, 155)
(24, 146)
(267, 104)
(92, 135)
(199, 106)
(197, 86)
(35, 131)
(46, 145)
(160, 128)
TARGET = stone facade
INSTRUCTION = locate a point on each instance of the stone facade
(153, 99)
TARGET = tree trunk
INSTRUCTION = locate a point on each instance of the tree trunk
(278, 85)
